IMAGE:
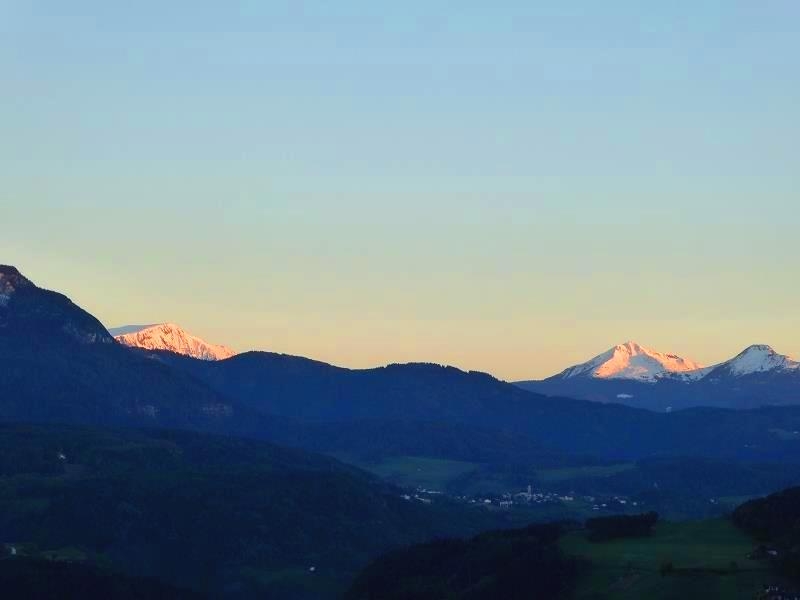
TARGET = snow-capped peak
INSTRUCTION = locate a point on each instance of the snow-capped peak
(168, 336)
(633, 361)
(759, 358)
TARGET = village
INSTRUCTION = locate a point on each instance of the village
(531, 498)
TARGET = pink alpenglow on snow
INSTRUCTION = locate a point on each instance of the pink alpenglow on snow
(632, 361)
(171, 337)
(760, 358)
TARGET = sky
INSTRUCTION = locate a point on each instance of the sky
(509, 187)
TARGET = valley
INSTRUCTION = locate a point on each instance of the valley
(110, 455)
(399, 300)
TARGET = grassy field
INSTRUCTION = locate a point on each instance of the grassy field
(557, 475)
(415, 471)
(703, 554)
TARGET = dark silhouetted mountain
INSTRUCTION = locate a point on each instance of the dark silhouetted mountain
(308, 391)
(300, 388)
(58, 363)
(27, 311)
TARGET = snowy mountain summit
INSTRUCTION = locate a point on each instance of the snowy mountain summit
(636, 376)
(171, 337)
(633, 361)
(630, 361)
(758, 358)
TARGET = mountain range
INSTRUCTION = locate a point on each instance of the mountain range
(637, 376)
(61, 364)
(632, 361)
(628, 373)
(92, 455)
(92, 458)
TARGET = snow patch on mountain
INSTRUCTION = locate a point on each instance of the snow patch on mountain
(633, 361)
(171, 337)
(758, 358)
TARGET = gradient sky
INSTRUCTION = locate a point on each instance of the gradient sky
(511, 187)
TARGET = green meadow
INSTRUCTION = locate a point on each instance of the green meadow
(708, 559)
(416, 471)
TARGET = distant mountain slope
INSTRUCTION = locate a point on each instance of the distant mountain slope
(171, 337)
(308, 391)
(632, 375)
(303, 388)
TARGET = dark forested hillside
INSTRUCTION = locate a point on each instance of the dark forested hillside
(34, 579)
(309, 391)
(220, 515)
(372, 439)
(513, 564)
(775, 521)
